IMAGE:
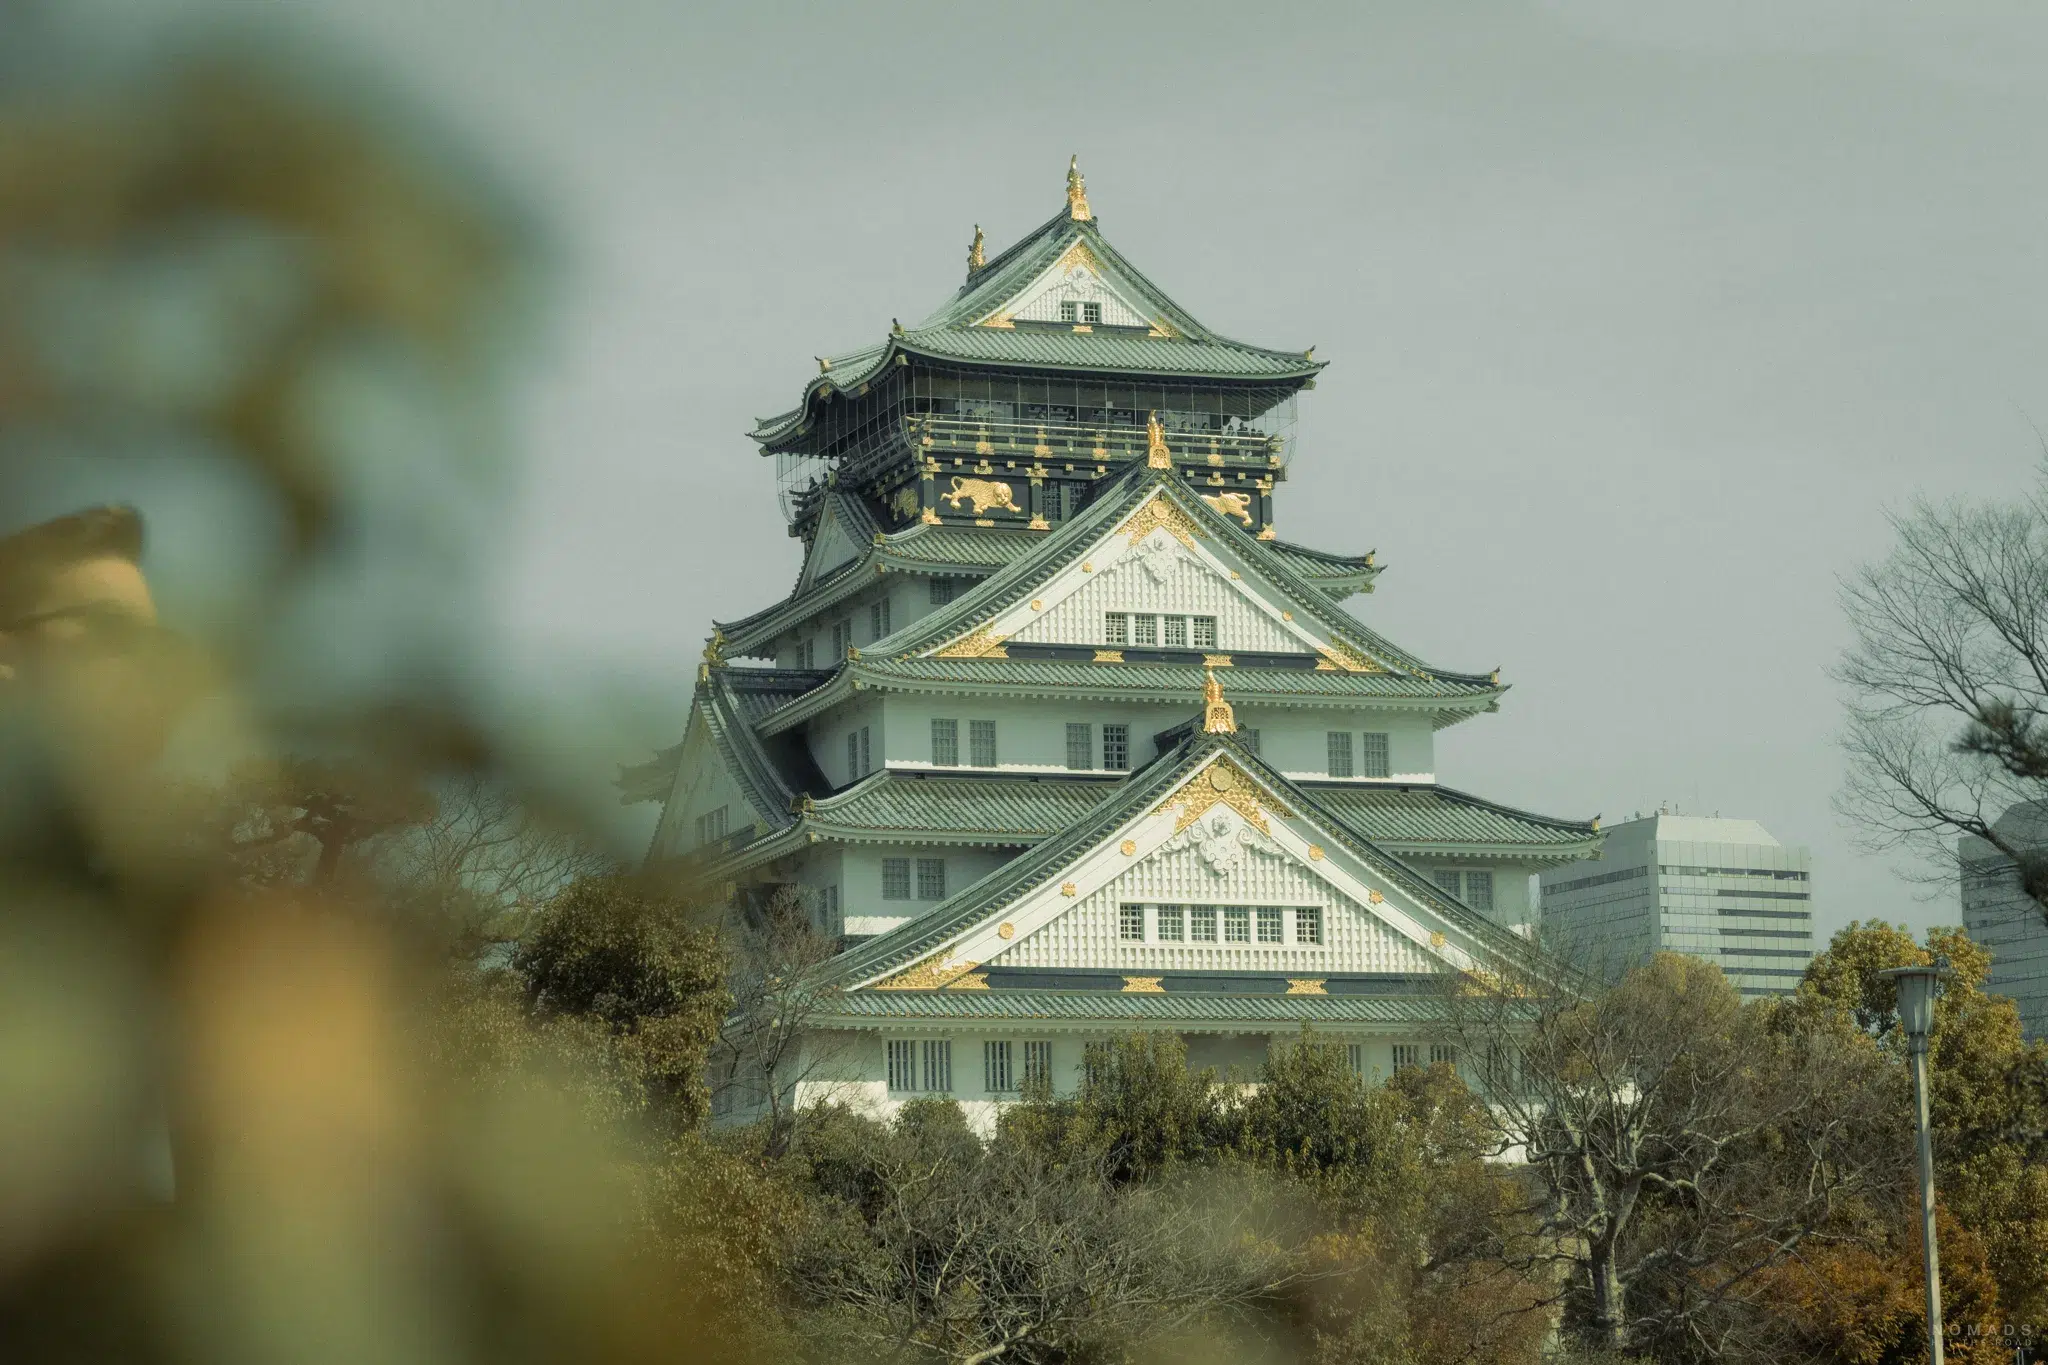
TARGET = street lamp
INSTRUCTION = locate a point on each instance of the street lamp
(1918, 987)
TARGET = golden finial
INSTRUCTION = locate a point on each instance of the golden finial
(1157, 456)
(895, 327)
(824, 365)
(1309, 354)
(975, 259)
(1077, 192)
(714, 649)
(1217, 717)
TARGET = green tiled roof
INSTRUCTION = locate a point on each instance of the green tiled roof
(986, 809)
(1179, 681)
(1337, 575)
(1112, 1007)
(980, 547)
(1407, 814)
(950, 334)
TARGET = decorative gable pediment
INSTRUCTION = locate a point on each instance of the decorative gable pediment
(1079, 277)
(833, 546)
(1219, 843)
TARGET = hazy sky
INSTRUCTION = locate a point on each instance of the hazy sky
(1639, 315)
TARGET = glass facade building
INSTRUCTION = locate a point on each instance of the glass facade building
(1724, 890)
(2005, 920)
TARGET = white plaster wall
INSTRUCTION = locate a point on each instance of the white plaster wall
(1169, 580)
(1041, 303)
(1297, 741)
(1089, 934)
(827, 734)
(1030, 736)
(860, 881)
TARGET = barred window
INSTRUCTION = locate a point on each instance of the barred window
(1174, 632)
(1237, 924)
(852, 754)
(829, 911)
(806, 656)
(1172, 921)
(1145, 630)
(1038, 1064)
(1116, 748)
(1116, 628)
(1080, 745)
(1202, 923)
(931, 879)
(981, 741)
(1205, 632)
(1407, 1055)
(1446, 879)
(895, 879)
(867, 763)
(1340, 753)
(1354, 1057)
(942, 591)
(878, 618)
(946, 743)
(1443, 1054)
(711, 826)
(938, 1065)
(1372, 755)
(995, 1068)
(902, 1065)
(1308, 924)
(1479, 890)
(842, 638)
(1130, 923)
(1271, 924)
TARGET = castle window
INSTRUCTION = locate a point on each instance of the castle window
(806, 654)
(895, 879)
(1237, 924)
(981, 740)
(1072, 310)
(1038, 1064)
(1144, 630)
(931, 879)
(1080, 745)
(1205, 632)
(1202, 923)
(842, 638)
(1479, 890)
(1407, 1056)
(1116, 628)
(938, 1065)
(857, 753)
(1443, 1054)
(995, 1068)
(1130, 923)
(828, 911)
(1175, 632)
(1354, 1057)
(1446, 879)
(1308, 924)
(711, 826)
(902, 1066)
(878, 618)
(942, 591)
(1116, 748)
(1372, 755)
(1271, 924)
(1340, 753)
(1172, 922)
(945, 743)
(1249, 737)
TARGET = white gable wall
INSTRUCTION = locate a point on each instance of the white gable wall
(1159, 576)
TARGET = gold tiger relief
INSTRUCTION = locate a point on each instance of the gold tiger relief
(983, 493)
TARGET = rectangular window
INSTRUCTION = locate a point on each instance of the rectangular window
(1144, 630)
(1070, 311)
(1308, 924)
(1116, 628)
(1205, 632)
(1354, 1057)
(852, 755)
(1038, 1064)
(981, 738)
(1479, 890)
(711, 826)
(1249, 737)
(806, 655)
(1237, 924)
(1340, 753)
(931, 879)
(1202, 923)
(1173, 923)
(1174, 631)
(842, 639)
(902, 1066)
(895, 879)
(942, 591)
(1372, 755)
(867, 764)
(938, 1066)
(1407, 1056)
(1091, 313)
(878, 618)
(1446, 879)
(829, 911)
(1116, 748)
(1130, 923)
(995, 1068)
(945, 743)
(1271, 924)
(1443, 1054)
(1080, 745)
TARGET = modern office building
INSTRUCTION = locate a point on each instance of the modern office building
(1725, 890)
(2004, 919)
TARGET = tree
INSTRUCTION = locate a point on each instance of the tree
(1679, 1147)
(623, 954)
(303, 820)
(1948, 682)
(766, 1047)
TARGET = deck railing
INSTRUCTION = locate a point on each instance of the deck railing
(1100, 444)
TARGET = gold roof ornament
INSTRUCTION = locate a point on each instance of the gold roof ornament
(714, 649)
(1077, 191)
(1157, 456)
(975, 257)
(824, 365)
(1217, 717)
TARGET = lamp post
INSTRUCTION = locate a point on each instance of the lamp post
(1918, 987)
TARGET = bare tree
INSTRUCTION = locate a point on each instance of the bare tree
(1678, 1146)
(1948, 682)
(946, 1249)
(768, 1045)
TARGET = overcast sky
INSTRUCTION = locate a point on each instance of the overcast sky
(1638, 316)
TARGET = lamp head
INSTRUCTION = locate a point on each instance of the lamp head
(1918, 987)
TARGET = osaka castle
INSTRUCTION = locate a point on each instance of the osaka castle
(1057, 737)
